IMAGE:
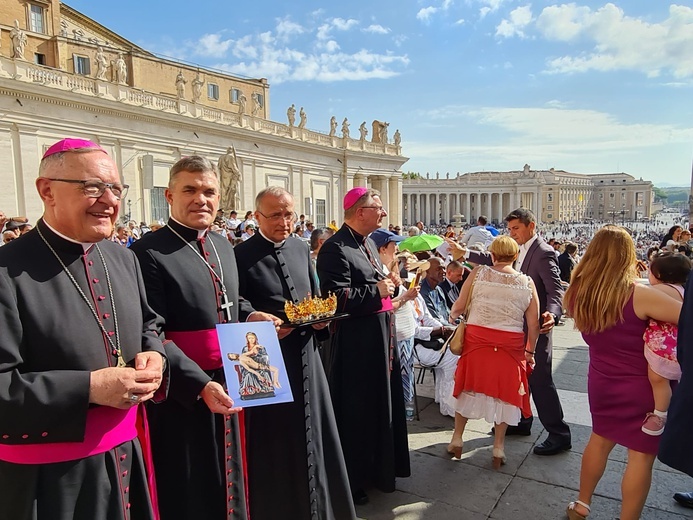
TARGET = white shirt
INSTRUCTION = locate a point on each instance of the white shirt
(477, 235)
(523, 252)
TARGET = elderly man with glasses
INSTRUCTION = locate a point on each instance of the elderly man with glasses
(80, 350)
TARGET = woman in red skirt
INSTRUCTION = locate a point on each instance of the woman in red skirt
(491, 377)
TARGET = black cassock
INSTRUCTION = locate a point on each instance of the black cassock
(364, 372)
(197, 454)
(49, 344)
(295, 463)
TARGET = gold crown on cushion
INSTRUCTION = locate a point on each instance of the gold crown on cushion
(311, 309)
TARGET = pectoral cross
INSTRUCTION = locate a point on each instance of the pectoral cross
(226, 306)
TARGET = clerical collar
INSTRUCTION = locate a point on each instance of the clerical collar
(276, 245)
(200, 232)
(357, 236)
(85, 245)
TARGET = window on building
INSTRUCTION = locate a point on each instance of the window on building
(213, 91)
(260, 100)
(159, 204)
(81, 65)
(549, 215)
(320, 213)
(549, 197)
(235, 95)
(39, 59)
(36, 19)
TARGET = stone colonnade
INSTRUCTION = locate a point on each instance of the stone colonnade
(390, 188)
(434, 208)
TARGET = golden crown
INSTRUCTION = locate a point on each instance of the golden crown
(310, 309)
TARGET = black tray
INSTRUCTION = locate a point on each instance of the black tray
(338, 316)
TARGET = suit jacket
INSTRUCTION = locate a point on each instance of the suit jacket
(675, 448)
(540, 265)
(566, 263)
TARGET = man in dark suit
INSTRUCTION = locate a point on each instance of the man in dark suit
(675, 449)
(566, 261)
(538, 260)
(452, 283)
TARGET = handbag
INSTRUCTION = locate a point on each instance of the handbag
(457, 339)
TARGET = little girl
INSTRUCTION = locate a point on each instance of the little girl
(668, 273)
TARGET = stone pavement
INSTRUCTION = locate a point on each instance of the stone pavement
(529, 486)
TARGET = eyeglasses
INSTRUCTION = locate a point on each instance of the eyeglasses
(276, 217)
(379, 208)
(95, 189)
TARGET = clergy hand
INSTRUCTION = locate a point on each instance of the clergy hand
(149, 361)
(217, 400)
(320, 326)
(117, 387)
(456, 250)
(265, 316)
(385, 287)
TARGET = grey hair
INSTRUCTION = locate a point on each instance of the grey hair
(317, 234)
(274, 191)
(193, 164)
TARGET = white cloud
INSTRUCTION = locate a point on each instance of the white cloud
(400, 39)
(344, 25)
(425, 13)
(286, 28)
(376, 29)
(212, 45)
(331, 46)
(484, 11)
(621, 42)
(489, 6)
(548, 134)
(520, 18)
(460, 21)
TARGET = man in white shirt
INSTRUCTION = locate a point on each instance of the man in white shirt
(429, 336)
(478, 234)
(249, 231)
(308, 230)
(233, 222)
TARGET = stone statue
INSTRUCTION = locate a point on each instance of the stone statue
(197, 88)
(256, 103)
(379, 132)
(291, 114)
(242, 102)
(383, 132)
(180, 85)
(230, 178)
(427, 175)
(437, 175)
(345, 128)
(397, 138)
(333, 126)
(101, 64)
(18, 38)
(302, 118)
(525, 169)
(447, 176)
(121, 70)
(63, 28)
(363, 131)
(77, 34)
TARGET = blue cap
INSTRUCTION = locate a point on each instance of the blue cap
(382, 236)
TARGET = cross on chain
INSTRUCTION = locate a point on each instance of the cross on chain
(226, 305)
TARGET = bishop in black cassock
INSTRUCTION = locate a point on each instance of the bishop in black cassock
(364, 373)
(56, 461)
(295, 462)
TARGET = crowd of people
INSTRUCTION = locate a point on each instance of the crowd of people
(129, 415)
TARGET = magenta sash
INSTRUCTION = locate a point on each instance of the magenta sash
(202, 346)
(106, 428)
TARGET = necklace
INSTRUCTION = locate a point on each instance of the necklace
(225, 303)
(362, 248)
(115, 346)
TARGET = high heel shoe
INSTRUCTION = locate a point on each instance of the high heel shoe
(498, 458)
(455, 448)
(574, 515)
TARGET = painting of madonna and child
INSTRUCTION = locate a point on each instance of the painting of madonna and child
(253, 364)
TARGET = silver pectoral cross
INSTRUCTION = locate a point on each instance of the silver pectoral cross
(226, 306)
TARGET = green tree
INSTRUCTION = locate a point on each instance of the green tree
(660, 193)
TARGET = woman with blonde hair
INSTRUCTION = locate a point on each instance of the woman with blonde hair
(491, 376)
(612, 312)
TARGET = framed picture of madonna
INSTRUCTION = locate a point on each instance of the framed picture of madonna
(253, 364)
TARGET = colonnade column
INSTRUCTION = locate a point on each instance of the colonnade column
(396, 208)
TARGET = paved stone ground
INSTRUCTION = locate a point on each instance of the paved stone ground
(529, 486)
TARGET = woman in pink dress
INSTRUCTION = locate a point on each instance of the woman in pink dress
(612, 311)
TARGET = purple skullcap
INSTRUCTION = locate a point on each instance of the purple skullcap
(353, 195)
(68, 144)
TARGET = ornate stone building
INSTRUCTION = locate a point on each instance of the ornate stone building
(553, 195)
(63, 74)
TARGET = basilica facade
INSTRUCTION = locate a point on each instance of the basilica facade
(553, 196)
(63, 74)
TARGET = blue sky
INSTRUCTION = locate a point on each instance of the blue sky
(472, 85)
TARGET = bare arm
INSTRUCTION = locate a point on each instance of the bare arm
(460, 305)
(532, 318)
(651, 303)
